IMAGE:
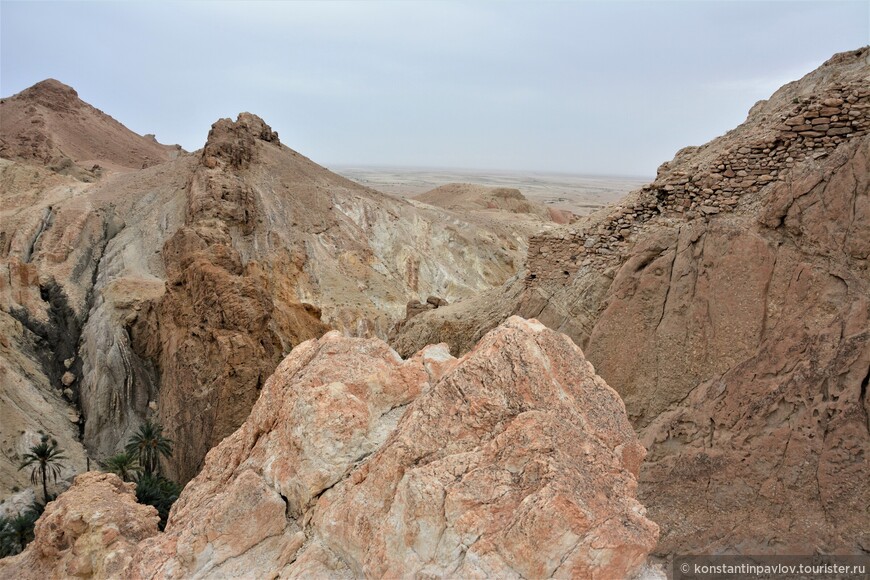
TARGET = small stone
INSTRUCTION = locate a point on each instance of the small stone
(67, 363)
(68, 378)
(833, 102)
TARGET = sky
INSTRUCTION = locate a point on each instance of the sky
(600, 88)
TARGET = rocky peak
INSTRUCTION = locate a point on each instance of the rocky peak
(234, 141)
(52, 94)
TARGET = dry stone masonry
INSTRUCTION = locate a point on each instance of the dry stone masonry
(813, 127)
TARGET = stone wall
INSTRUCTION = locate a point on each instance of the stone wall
(811, 128)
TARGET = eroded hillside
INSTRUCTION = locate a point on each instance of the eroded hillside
(173, 291)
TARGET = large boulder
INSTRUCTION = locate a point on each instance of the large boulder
(516, 460)
(90, 531)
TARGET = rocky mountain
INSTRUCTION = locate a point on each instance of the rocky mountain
(173, 291)
(514, 461)
(48, 124)
(727, 303)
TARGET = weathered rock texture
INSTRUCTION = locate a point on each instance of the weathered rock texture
(514, 461)
(728, 304)
(90, 531)
(174, 290)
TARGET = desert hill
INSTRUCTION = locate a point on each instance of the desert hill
(727, 303)
(173, 291)
(49, 125)
(467, 196)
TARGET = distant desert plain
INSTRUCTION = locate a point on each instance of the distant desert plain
(580, 194)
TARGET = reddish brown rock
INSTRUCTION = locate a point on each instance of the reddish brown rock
(48, 124)
(740, 341)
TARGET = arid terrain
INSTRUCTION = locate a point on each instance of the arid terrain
(579, 194)
(432, 374)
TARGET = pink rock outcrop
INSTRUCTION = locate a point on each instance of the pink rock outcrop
(91, 530)
(516, 460)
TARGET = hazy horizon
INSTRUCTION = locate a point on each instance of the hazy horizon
(579, 88)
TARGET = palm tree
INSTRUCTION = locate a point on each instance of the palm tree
(45, 458)
(157, 491)
(148, 444)
(17, 532)
(124, 465)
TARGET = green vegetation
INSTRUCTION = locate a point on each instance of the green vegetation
(45, 459)
(141, 463)
(157, 491)
(148, 445)
(124, 465)
(17, 532)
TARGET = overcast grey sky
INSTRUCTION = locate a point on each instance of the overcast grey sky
(577, 87)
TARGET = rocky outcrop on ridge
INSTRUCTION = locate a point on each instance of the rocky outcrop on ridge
(220, 309)
(173, 291)
(513, 461)
(727, 304)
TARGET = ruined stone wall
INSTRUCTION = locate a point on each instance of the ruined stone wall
(813, 127)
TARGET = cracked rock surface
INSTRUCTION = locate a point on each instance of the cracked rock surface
(516, 460)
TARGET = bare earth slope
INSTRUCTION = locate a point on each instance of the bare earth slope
(173, 291)
(48, 124)
(515, 461)
(727, 302)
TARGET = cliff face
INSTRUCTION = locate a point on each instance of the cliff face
(727, 303)
(513, 461)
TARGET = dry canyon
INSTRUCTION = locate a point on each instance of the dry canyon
(463, 383)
